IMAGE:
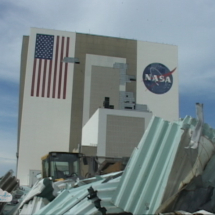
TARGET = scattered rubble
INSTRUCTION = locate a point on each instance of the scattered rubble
(8, 183)
(170, 172)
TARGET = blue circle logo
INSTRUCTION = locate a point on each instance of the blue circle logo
(158, 78)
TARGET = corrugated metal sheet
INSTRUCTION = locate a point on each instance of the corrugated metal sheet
(97, 178)
(43, 188)
(65, 201)
(5, 178)
(144, 180)
(201, 212)
(105, 192)
(189, 163)
(86, 206)
(8, 183)
(69, 198)
(157, 169)
(33, 206)
(18, 196)
(197, 132)
(99, 196)
(208, 176)
(91, 198)
(205, 184)
(207, 131)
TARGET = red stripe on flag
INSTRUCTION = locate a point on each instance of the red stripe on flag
(44, 78)
(66, 68)
(50, 74)
(33, 78)
(49, 79)
(61, 65)
(55, 67)
(38, 78)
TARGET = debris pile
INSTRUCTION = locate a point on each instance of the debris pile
(8, 183)
(169, 172)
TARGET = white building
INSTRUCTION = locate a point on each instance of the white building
(58, 98)
(115, 133)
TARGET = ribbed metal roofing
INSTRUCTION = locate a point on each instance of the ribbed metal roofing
(105, 192)
(78, 200)
(207, 131)
(144, 181)
(8, 183)
(65, 201)
(98, 200)
(33, 206)
(190, 162)
(157, 166)
(86, 206)
(142, 185)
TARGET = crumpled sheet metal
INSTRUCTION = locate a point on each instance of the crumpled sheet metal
(204, 152)
(208, 176)
(8, 183)
(198, 194)
(105, 192)
(145, 178)
(86, 206)
(200, 212)
(33, 206)
(207, 131)
(150, 164)
(65, 201)
(42, 187)
(188, 163)
(141, 187)
(19, 194)
(62, 185)
(197, 132)
(5, 178)
(77, 200)
(98, 200)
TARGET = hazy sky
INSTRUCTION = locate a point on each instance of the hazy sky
(188, 24)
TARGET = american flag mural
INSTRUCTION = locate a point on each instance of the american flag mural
(49, 77)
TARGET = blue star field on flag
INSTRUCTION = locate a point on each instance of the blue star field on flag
(44, 46)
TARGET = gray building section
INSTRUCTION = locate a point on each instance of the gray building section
(23, 65)
(89, 150)
(123, 134)
(101, 67)
(90, 44)
(104, 83)
(98, 45)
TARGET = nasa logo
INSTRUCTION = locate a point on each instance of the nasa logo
(158, 78)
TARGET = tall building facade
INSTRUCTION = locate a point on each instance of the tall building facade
(66, 76)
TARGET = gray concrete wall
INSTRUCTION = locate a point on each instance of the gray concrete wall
(23, 64)
(123, 134)
(98, 45)
(104, 83)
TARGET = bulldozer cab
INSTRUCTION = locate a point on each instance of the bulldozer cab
(61, 165)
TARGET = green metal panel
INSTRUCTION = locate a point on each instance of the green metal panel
(143, 183)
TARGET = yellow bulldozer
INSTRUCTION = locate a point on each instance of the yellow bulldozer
(65, 165)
